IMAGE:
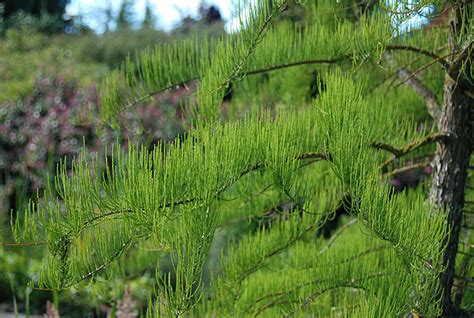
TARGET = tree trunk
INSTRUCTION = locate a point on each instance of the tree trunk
(450, 173)
(452, 155)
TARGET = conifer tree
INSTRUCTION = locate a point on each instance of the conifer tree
(124, 18)
(149, 20)
(290, 150)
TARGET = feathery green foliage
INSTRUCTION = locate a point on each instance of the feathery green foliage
(290, 167)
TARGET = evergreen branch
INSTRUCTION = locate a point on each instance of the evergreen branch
(92, 221)
(400, 152)
(258, 38)
(114, 257)
(282, 294)
(402, 246)
(66, 238)
(277, 251)
(437, 58)
(249, 73)
(280, 249)
(395, 74)
(346, 284)
(299, 63)
(99, 218)
(354, 257)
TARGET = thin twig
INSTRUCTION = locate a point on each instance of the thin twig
(24, 244)
(422, 68)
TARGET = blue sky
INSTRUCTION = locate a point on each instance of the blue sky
(167, 12)
(170, 12)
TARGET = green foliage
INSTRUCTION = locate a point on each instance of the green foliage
(290, 166)
(26, 55)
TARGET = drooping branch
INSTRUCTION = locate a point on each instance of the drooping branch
(99, 268)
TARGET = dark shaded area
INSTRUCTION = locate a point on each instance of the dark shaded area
(213, 15)
(34, 7)
(47, 16)
(332, 224)
(316, 85)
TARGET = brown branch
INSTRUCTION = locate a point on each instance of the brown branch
(400, 152)
(24, 244)
(298, 63)
(434, 107)
(422, 68)
(433, 55)
(249, 73)
(409, 167)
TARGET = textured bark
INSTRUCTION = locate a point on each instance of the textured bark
(452, 157)
(450, 173)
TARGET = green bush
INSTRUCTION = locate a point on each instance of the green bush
(26, 55)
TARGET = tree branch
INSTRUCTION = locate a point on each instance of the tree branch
(249, 73)
(400, 152)
(413, 166)
(433, 55)
(434, 107)
(422, 68)
(24, 244)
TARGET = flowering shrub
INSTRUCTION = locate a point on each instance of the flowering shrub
(58, 119)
